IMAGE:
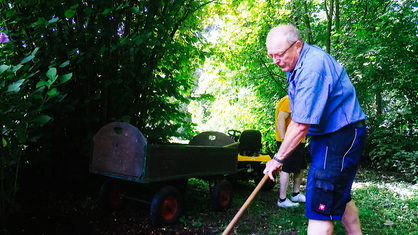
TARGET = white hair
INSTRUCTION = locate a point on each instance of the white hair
(289, 32)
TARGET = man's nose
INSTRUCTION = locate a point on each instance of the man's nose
(276, 59)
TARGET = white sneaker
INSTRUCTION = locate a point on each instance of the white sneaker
(298, 198)
(286, 203)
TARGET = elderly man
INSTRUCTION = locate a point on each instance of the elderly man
(324, 105)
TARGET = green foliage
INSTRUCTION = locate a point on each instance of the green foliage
(239, 75)
(114, 61)
(385, 154)
(406, 162)
(375, 41)
(25, 97)
(379, 52)
(130, 62)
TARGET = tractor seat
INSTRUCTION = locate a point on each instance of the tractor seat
(250, 143)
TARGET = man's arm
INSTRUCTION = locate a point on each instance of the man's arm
(294, 135)
(281, 123)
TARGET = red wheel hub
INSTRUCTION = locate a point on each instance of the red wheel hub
(224, 197)
(115, 198)
(169, 208)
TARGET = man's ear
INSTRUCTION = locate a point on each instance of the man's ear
(299, 46)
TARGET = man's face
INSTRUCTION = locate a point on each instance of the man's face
(284, 55)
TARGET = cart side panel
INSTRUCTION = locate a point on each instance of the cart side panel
(118, 150)
(166, 162)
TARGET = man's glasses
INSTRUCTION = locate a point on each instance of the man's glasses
(283, 53)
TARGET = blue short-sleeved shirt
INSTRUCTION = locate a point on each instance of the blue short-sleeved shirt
(321, 93)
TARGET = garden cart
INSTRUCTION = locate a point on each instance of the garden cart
(122, 154)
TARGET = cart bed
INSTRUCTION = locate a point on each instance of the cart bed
(121, 151)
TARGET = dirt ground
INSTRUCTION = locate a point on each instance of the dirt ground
(71, 208)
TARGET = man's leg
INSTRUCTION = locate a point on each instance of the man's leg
(297, 179)
(320, 227)
(283, 200)
(351, 220)
(297, 196)
(284, 182)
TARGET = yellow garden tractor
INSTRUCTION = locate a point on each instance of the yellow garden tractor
(250, 160)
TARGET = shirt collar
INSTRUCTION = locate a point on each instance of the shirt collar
(302, 56)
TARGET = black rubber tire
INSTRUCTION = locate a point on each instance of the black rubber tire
(233, 179)
(222, 196)
(269, 184)
(111, 195)
(166, 207)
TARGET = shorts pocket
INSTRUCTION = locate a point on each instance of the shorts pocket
(323, 193)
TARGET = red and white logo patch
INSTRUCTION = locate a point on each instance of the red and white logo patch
(321, 207)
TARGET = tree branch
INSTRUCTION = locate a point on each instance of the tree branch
(271, 74)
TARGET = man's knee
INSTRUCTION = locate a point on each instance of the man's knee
(351, 220)
(351, 213)
(320, 227)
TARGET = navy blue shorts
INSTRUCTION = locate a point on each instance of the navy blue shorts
(335, 159)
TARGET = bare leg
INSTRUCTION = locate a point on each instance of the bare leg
(320, 227)
(297, 179)
(284, 182)
(351, 220)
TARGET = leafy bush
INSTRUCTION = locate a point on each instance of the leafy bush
(407, 162)
(25, 97)
(393, 152)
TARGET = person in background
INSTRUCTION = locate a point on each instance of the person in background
(295, 163)
(324, 106)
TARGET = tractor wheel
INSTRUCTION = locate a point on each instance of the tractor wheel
(166, 207)
(222, 195)
(111, 195)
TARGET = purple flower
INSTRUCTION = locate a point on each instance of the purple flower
(3, 38)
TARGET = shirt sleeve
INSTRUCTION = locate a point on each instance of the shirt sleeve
(311, 91)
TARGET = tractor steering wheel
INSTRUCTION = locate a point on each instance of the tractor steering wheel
(234, 134)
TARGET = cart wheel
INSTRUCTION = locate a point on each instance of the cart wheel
(233, 179)
(111, 196)
(222, 195)
(166, 206)
(269, 184)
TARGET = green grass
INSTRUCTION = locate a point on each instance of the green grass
(387, 204)
(387, 208)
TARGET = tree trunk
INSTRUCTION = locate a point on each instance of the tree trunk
(330, 12)
(307, 21)
(337, 21)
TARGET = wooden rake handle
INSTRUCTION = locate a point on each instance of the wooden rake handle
(250, 198)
